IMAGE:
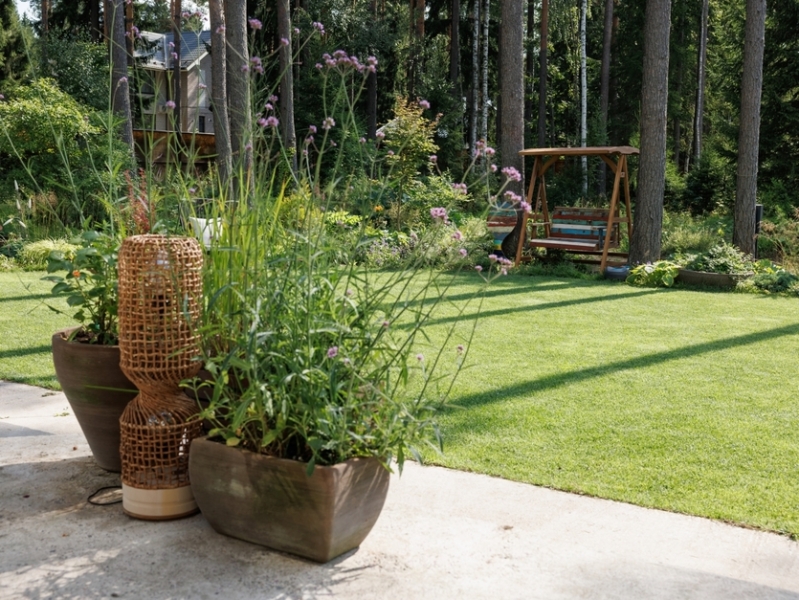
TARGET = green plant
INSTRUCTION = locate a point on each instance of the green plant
(721, 258)
(33, 256)
(7, 264)
(658, 274)
(90, 286)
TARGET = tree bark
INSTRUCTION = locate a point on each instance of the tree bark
(286, 83)
(219, 93)
(455, 49)
(699, 112)
(129, 32)
(583, 96)
(94, 18)
(749, 132)
(645, 246)
(371, 94)
(239, 103)
(176, 87)
(529, 106)
(542, 82)
(604, 89)
(484, 75)
(119, 73)
(512, 88)
(475, 104)
(677, 123)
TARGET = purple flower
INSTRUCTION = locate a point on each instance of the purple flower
(493, 258)
(328, 123)
(512, 197)
(439, 212)
(296, 31)
(512, 173)
(458, 236)
(261, 122)
(362, 140)
(202, 86)
(309, 140)
(273, 99)
(319, 27)
(493, 168)
(220, 29)
(380, 135)
(319, 65)
(248, 146)
(171, 44)
(192, 190)
(245, 68)
(170, 105)
(478, 268)
(489, 151)
(255, 24)
(433, 158)
(174, 56)
(424, 104)
(284, 42)
(272, 122)
(420, 357)
(256, 60)
(123, 80)
(526, 207)
(463, 252)
(459, 188)
(268, 106)
(332, 352)
(390, 153)
(460, 348)
(504, 271)
(348, 293)
(312, 128)
(386, 324)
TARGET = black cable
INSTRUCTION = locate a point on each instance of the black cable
(109, 487)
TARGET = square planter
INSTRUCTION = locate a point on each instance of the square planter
(273, 502)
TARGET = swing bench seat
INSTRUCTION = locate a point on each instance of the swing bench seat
(574, 229)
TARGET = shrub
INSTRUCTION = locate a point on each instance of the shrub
(7, 264)
(683, 233)
(33, 256)
(721, 258)
(659, 274)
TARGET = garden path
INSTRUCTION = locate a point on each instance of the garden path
(443, 534)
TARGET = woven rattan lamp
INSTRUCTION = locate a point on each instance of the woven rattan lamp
(160, 284)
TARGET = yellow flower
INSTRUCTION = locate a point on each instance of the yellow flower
(378, 208)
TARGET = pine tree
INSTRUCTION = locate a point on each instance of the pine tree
(14, 64)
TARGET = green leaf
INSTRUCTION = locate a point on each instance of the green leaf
(75, 300)
(233, 441)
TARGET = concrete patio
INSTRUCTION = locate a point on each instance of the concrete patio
(442, 534)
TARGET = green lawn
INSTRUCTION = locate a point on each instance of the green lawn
(26, 326)
(676, 399)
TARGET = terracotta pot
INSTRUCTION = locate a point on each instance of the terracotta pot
(272, 502)
(97, 391)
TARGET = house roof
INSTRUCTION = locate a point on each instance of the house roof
(156, 52)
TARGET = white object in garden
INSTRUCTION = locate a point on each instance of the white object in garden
(206, 230)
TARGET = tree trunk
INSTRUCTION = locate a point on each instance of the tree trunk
(645, 246)
(529, 106)
(239, 103)
(583, 96)
(677, 123)
(749, 132)
(287, 82)
(511, 79)
(119, 73)
(371, 94)
(219, 93)
(176, 87)
(94, 18)
(417, 9)
(484, 75)
(129, 32)
(475, 104)
(455, 50)
(604, 90)
(542, 82)
(700, 84)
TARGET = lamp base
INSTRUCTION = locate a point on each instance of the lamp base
(158, 505)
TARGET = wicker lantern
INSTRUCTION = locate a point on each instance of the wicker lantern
(160, 284)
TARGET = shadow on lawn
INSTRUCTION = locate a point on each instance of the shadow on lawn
(25, 297)
(17, 352)
(556, 380)
(484, 314)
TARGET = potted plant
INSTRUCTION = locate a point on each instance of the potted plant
(86, 357)
(723, 265)
(319, 386)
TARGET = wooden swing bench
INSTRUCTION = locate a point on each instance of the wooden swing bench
(593, 235)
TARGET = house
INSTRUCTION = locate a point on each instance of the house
(155, 63)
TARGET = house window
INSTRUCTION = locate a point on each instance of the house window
(201, 125)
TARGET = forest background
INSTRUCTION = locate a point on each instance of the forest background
(447, 53)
